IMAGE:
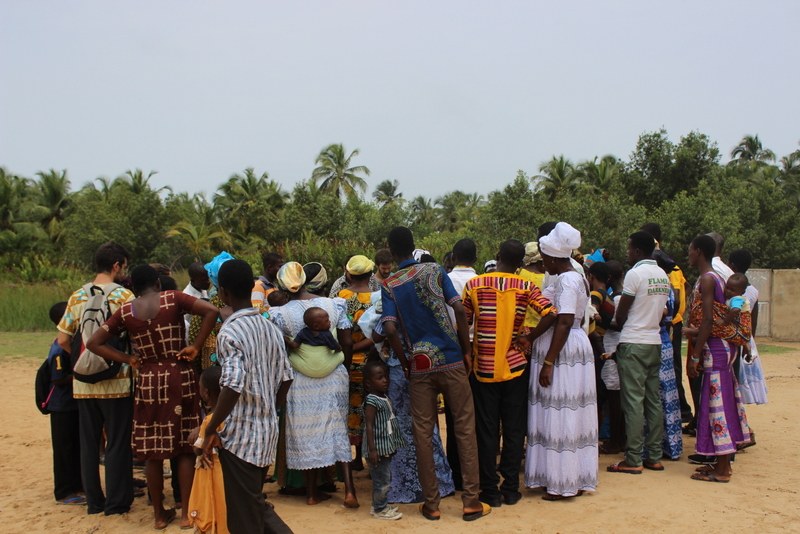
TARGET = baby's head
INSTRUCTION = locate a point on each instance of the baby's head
(209, 384)
(736, 285)
(376, 376)
(317, 319)
(277, 298)
(57, 312)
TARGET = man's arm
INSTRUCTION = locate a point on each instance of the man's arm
(390, 329)
(463, 333)
(623, 309)
(65, 342)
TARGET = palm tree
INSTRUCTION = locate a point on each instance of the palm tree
(557, 176)
(386, 193)
(54, 200)
(12, 189)
(243, 196)
(750, 149)
(422, 211)
(197, 238)
(599, 177)
(336, 174)
(137, 182)
(455, 208)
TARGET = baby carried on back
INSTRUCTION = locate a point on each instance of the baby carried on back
(314, 351)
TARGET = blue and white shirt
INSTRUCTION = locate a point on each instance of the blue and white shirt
(254, 363)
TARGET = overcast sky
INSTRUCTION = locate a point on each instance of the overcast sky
(439, 95)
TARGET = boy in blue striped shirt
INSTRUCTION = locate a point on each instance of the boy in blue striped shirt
(382, 437)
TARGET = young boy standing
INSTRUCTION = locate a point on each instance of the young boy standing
(64, 426)
(255, 377)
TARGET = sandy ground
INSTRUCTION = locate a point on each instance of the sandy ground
(762, 497)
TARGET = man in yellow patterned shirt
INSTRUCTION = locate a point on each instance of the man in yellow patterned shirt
(107, 404)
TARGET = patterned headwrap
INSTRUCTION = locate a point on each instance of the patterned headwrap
(212, 267)
(291, 277)
(360, 265)
(561, 241)
(319, 280)
(532, 254)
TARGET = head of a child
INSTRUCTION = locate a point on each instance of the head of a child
(376, 376)
(57, 312)
(736, 285)
(277, 298)
(317, 319)
(599, 275)
(209, 385)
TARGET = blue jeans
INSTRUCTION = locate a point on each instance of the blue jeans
(381, 480)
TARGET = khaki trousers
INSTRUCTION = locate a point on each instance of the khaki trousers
(454, 385)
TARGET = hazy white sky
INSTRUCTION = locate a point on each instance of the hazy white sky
(438, 95)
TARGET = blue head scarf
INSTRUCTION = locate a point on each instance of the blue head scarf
(212, 267)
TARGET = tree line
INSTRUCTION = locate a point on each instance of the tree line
(753, 200)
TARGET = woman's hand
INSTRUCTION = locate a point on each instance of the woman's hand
(134, 362)
(188, 353)
(546, 375)
(692, 367)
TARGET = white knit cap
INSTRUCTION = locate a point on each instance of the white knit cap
(561, 241)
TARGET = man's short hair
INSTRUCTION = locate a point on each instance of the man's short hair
(706, 245)
(270, 258)
(57, 312)
(545, 229)
(167, 283)
(236, 277)
(107, 255)
(383, 256)
(211, 377)
(644, 242)
(465, 251)
(401, 242)
(740, 259)
(511, 252)
(654, 229)
(143, 277)
(197, 269)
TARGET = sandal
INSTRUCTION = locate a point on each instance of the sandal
(551, 497)
(709, 477)
(430, 516)
(472, 516)
(622, 467)
(653, 466)
(169, 517)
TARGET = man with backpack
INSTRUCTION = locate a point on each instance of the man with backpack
(104, 402)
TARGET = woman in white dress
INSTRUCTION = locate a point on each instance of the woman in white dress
(562, 415)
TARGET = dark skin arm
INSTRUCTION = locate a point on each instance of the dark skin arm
(524, 342)
(363, 345)
(463, 334)
(754, 318)
(345, 338)
(369, 420)
(704, 329)
(390, 328)
(64, 341)
(560, 334)
(98, 345)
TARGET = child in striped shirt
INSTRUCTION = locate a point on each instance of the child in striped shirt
(382, 437)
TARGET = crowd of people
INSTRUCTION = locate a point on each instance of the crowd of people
(541, 363)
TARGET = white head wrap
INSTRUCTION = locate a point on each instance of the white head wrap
(418, 253)
(561, 241)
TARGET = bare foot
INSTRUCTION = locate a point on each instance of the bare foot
(350, 501)
(165, 518)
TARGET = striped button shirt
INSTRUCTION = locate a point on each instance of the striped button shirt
(497, 304)
(254, 363)
(387, 434)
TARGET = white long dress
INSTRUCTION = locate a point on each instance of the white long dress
(562, 453)
(752, 384)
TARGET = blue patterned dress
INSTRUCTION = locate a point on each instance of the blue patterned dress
(673, 441)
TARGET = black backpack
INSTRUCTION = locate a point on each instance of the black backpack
(43, 387)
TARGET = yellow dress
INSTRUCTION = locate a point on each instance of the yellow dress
(531, 317)
(207, 509)
(357, 304)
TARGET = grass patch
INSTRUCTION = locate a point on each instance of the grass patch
(24, 307)
(773, 349)
(34, 345)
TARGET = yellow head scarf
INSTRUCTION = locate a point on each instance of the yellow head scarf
(360, 265)
(291, 277)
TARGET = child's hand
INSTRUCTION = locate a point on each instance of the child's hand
(194, 434)
(209, 442)
(373, 458)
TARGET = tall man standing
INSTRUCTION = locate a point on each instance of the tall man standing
(644, 296)
(497, 304)
(415, 300)
(106, 405)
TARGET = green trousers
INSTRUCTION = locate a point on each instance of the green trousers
(639, 388)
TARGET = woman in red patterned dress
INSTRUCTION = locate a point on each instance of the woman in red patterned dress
(166, 407)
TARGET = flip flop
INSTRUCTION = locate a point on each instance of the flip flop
(653, 466)
(430, 516)
(622, 467)
(709, 477)
(472, 516)
(168, 518)
(72, 500)
(551, 497)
